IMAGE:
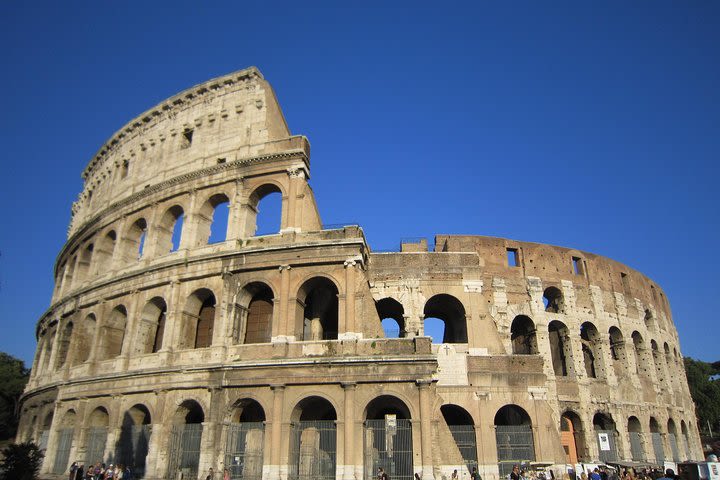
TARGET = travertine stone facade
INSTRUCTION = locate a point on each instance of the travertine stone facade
(176, 341)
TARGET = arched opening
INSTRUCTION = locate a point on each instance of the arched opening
(591, 348)
(523, 336)
(671, 367)
(514, 438)
(253, 324)
(134, 242)
(605, 434)
(112, 334)
(451, 312)
(643, 359)
(97, 435)
(151, 327)
(84, 341)
(388, 438)
(64, 345)
(69, 275)
(636, 444)
(47, 349)
(650, 322)
(461, 451)
(391, 316)
(84, 260)
(686, 439)
(657, 361)
(571, 437)
(213, 219)
(64, 440)
(560, 348)
(672, 439)
(318, 309)
(169, 230)
(553, 300)
(198, 320)
(657, 441)
(132, 447)
(104, 252)
(185, 439)
(266, 210)
(617, 352)
(45, 432)
(313, 440)
(244, 445)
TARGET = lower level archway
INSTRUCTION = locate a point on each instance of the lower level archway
(185, 439)
(388, 439)
(460, 452)
(514, 438)
(132, 446)
(313, 440)
(245, 440)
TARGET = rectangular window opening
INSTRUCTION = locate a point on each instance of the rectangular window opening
(124, 169)
(220, 160)
(513, 258)
(187, 137)
(578, 266)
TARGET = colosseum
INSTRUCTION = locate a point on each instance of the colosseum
(179, 339)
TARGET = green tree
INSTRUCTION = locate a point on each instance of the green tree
(705, 390)
(21, 461)
(13, 377)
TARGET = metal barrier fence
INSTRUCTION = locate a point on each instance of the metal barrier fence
(62, 454)
(244, 450)
(636, 447)
(44, 440)
(132, 448)
(185, 451)
(96, 440)
(607, 448)
(674, 447)
(313, 450)
(388, 445)
(465, 440)
(514, 446)
(658, 447)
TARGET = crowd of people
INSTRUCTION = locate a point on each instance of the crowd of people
(99, 471)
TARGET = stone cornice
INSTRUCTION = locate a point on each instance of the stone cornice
(166, 108)
(82, 230)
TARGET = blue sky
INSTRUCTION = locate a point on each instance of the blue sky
(592, 125)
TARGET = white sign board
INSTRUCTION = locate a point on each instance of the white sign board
(604, 440)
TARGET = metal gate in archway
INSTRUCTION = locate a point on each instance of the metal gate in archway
(96, 441)
(62, 453)
(185, 451)
(313, 450)
(388, 444)
(658, 448)
(674, 447)
(607, 449)
(244, 450)
(132, 448)
(466, 443)
(514, 446)
(636, 447)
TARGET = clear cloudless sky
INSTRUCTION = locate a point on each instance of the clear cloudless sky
(591, 125)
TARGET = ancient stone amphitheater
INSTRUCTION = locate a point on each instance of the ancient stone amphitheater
(178, 339)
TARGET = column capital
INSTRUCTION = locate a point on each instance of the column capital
(424, 382)
(348, 385)
(277, 386)
(284, 267)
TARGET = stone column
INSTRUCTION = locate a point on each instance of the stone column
(425, 428)
(130, 331)
(234, 231)
(157, 454)
(348, 330)
(348, 467)
(173, 323)
(273, 469)
(281, 329)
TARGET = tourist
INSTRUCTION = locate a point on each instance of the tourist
(382, 475)
(515, 474)
(454, 475)
(210, 475)
(475, 475)
(226, 474)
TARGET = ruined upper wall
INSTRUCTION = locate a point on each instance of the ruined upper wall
(224, 119)
(555, 264)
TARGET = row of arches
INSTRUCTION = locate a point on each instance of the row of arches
(445, 319)
(524, 341)
(311, 446)
(158, 231)
(642, 441)
(250, 315)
